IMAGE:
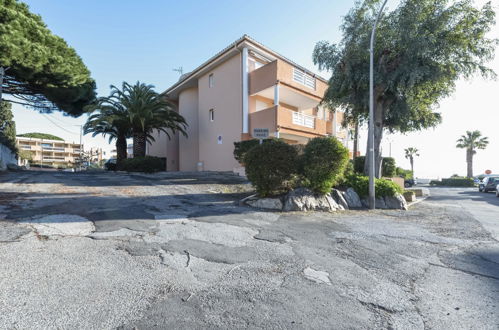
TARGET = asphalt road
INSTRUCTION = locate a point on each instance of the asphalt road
(483, 206)
(118, 251)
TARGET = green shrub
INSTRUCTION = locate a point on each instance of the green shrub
(383, 187)
(405, 174)
(242, 147)
(146, 164)
(454, 182)
(358, 164)
(323, 163)
(270, 167)
(388, 169)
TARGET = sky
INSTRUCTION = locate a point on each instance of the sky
(145, 40)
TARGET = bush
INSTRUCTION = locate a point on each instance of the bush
(242, 147)
(358, 164)
(383, 187)
(454, 182)
(324, 160)
(388, 168)
(405, 174)
(270, 167)
(146, 164)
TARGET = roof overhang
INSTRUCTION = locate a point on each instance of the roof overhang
(190, 79)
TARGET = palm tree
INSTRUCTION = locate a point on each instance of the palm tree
(110, 119)
(147, 111)
(410, 153)
(471, 141)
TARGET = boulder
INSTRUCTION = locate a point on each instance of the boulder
(352, 199)
(266, 203)
(397, 202)
(339, 198)
(380, 203)
(302, 199)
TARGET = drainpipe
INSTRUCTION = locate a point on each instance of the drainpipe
(244, 68)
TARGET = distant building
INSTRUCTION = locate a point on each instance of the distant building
(54, 153)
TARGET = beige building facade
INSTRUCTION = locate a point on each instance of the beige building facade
(54, 153)
(244, 87)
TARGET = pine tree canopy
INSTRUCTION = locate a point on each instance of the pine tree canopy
(43, 73)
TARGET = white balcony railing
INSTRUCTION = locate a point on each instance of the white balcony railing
(303, 120)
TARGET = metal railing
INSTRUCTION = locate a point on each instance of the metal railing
(303, 119)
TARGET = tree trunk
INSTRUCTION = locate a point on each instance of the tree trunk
(378, 136)
(139, 144)
(120, 149)
(469, 161)
(411, 159)
(356, 140)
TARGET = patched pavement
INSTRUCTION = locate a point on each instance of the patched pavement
(170, 250)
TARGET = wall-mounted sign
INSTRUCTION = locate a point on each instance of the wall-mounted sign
(260, 133)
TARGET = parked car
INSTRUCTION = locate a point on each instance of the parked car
(110, 164)
(409, 183)
(489, 183)
(497, 190)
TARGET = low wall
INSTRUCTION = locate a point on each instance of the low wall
(6, 157)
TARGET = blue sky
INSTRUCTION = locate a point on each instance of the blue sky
(145, 40)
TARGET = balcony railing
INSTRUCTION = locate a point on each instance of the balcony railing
(303, 120)
(53, 149)
(278, 118)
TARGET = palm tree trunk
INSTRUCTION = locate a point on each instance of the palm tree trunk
(469, 161)
(120, 149)
(139, 144)
(412, 165)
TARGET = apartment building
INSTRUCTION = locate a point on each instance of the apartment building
(54, 153)
(243, 88)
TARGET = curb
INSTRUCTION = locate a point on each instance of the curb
(417, 201)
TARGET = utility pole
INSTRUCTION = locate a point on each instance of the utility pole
(372, 191)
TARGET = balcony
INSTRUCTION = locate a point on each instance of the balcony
(57, 149)
(290, 124)
(281, 72)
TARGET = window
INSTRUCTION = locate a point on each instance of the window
(303, 78)
(212, 115)
(211, 81)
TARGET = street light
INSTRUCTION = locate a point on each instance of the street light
(372, 194)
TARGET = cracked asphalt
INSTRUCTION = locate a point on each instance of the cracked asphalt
(175, 250)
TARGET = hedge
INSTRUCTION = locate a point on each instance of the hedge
(388, 168)
(147, 164)
(242, 147)
(323, 162)
(454, 182)
(270, 167)
(383, 187)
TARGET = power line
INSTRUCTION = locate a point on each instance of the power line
(49, 119)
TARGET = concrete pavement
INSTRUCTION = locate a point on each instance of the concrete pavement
(176, 251)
